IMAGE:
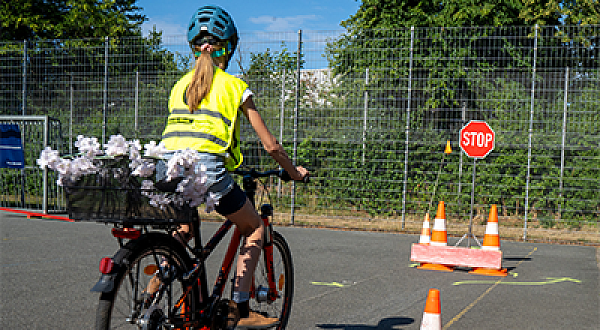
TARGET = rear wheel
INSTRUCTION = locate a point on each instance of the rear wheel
(151, 257)
(278, 303)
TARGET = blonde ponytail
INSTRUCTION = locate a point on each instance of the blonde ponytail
(199, 88)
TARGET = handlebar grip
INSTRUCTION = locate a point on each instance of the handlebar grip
(285, 176)
(306, 179)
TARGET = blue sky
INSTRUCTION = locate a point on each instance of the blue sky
(173, 16)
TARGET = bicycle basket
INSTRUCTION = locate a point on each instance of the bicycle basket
(113, 195)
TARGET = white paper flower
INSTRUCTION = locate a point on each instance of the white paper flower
(48, 158)
(147, 185)
(154, 150)
(88, 146)
(135, 149)
(211, 202)
(63, 166)
(144, 169)
(81, 166)
(116, 146)
(184, 163)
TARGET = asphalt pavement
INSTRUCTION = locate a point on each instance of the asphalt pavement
(346, 280)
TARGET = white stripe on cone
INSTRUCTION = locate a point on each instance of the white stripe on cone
(424, 238)
(438, 226)
(431, 322)
(492, 228)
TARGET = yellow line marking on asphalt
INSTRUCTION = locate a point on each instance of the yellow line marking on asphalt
(550, 280)
(464, 311)
(334, 284)
(15, 238)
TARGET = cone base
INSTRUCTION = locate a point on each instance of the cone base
(437, 267)
(489, 272)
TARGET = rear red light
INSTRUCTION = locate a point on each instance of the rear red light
(128, 233)
(106, 265)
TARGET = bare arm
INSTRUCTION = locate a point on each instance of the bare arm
(270, 143)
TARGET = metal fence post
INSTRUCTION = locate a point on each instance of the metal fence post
(24, 81)
(281, 122)
(136, 104)
(460, 160)
(530, 133)
(105, 91)
(45, 179)
(562, 147)
(24, 113)
(407, 129)
(71, 114)
(366, 107)
(296, 109)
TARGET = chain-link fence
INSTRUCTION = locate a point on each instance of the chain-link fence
(368, 113)
(28, 186)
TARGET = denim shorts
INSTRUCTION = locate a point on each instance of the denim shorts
(220, 183)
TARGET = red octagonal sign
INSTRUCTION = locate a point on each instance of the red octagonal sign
(477, 139)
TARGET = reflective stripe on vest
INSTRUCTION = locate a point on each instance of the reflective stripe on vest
(214, 126)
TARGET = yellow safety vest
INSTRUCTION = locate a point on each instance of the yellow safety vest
(213, 127)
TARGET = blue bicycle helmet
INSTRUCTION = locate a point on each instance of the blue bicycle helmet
(212, 24)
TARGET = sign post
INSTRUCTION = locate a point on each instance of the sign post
(477, 141)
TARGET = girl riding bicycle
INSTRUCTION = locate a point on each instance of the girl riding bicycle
(204, 107)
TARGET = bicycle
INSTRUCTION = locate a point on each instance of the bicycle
(149, 252)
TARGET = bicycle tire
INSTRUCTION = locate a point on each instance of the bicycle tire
(284, 277)
(124, 307)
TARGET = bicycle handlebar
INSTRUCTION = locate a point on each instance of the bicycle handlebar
(282, 174)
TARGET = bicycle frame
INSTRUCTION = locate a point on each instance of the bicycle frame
(230, 255)
(202, 253)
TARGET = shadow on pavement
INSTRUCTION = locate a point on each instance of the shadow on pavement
(385, 324)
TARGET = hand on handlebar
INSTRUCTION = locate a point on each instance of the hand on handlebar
(301, 174)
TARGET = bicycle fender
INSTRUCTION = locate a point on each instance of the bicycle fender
(106, 283)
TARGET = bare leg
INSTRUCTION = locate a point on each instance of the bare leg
(252, 228)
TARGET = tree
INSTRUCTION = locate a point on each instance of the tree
(406, 13)
(454, 60)
(69, 19)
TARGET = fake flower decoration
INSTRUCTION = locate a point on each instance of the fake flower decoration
(191, 189)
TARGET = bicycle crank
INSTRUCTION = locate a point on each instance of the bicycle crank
(220, 314)
(152, 320)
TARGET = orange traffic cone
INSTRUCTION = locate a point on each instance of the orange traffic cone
(438, 238)
(491, 242)
(432, 315)
(448, 149)
(425, 232)
(438, 235)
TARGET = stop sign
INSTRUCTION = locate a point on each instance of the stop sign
(477, 139)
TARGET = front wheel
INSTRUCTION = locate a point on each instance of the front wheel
(141, 261)
(276, 303)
